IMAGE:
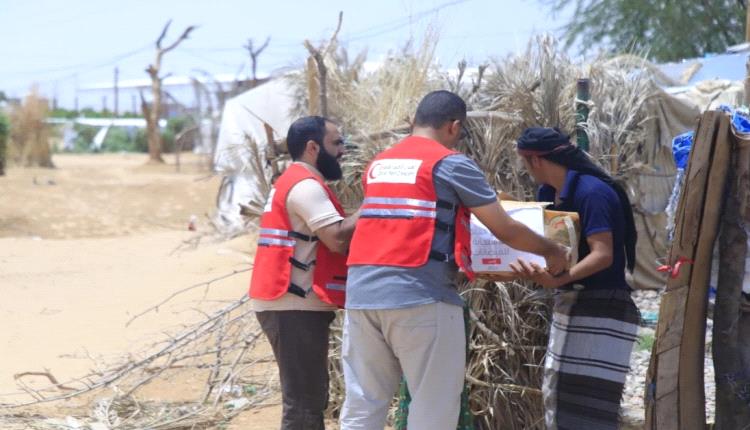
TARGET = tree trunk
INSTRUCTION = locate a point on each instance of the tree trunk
(154, 136)
(2, 155)
(152, 114)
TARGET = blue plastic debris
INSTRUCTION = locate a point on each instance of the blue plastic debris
(725, 108)
(740, 122)
(649, 318)
(681, 149)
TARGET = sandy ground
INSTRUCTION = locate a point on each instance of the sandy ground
(86, 246)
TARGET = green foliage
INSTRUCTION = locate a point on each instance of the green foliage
(63, 113)
(174, 127)
(89, 113)
(167, 140)
(127, 139)
(4, 128)
(85, 135)
(645, 342)
(118, 139)
(141, 140)
(4, 133)
(665, 30)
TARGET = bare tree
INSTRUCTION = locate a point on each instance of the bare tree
(318, 56)
(153, 112)
(254, 54)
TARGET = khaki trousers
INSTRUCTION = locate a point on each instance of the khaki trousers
(425, 344)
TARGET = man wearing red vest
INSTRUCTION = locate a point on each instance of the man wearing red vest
(299, 275)
(404, 315)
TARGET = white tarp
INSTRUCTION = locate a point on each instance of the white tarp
(243, 119)
(711, 94)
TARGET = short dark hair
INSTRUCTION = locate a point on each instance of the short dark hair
(439, 107)
(303, 130)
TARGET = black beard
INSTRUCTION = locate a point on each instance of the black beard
(328, 165)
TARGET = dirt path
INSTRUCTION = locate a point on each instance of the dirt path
(86, 246)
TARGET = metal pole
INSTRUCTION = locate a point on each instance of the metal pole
(117, 74)
(583, 95)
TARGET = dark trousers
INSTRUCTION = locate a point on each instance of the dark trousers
(299, 340)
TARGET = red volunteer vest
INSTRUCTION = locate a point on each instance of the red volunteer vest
(398, 217)
(274, 257)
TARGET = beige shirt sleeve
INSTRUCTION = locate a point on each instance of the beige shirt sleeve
(309, 203)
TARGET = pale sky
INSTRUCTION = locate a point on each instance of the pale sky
(65, 45)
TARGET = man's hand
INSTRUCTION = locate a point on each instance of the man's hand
(558, 259)
(536, 274)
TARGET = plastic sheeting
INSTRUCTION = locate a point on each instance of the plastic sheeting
(652, 187)
(243, 119)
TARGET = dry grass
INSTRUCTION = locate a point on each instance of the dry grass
(510, 321)
(29, 134)
(371, 103)
(507, 345)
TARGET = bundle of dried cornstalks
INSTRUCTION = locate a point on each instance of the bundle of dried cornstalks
(510, 321)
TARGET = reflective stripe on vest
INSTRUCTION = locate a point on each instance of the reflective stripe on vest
(396, 213)
(395, 201)
(274, 232)
(393, 207)
(273, 241)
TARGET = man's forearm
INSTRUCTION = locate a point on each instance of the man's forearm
(346, 228)
(519, 236)
(337, 236)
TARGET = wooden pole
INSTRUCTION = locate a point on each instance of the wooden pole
(116, 91)
(583, 95)
(675, 396)
(747, 81)
(731, 321)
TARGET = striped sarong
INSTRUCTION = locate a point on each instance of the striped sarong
(588, 358)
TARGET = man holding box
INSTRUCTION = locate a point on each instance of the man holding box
(404, 314)
(595, 320)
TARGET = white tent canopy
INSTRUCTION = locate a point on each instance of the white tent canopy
(243, 119)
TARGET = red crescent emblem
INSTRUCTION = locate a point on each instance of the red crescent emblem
(371, 173)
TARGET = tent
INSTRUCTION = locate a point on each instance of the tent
(242, 120)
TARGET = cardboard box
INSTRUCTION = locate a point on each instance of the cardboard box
(491, 258)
